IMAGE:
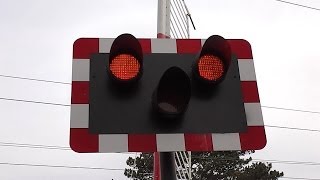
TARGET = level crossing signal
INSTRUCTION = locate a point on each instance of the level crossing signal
(161, 95)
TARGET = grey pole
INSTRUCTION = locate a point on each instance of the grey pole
(167, 166)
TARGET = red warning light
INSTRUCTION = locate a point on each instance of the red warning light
(125, 67)
(215, 57)
(125, 59)
(210, 67)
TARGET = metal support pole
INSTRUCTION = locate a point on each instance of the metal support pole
(163, 163)
(163, 24)
(167, 166)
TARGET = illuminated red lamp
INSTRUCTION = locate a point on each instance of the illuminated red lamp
(125, 59)
(214, 60)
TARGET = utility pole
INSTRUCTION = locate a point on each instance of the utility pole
(164, 166)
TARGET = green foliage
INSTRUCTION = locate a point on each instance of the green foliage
(232, 165)
(144, 167)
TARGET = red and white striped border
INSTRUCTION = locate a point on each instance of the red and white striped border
(82, 141)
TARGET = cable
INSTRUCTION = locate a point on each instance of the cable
(288, 109)
(263, 160)
(300, 5)
(58, 104)
(36, 102)
(100, 168)
(288, 162)
(33, 79)
(60, 166)
(284, 177)
(41, 146)
(223, 159)
(293, 128)
(272, 126)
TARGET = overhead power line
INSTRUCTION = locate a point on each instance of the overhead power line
(41, 146)
(293, 128)
(37, 146)
(59, 104)
(300, 5)
(60, 166)
(289, 109)
(99, 168)
(34, 79)
(30, 101)
(263, 160)
(298, 178)
(288, 162)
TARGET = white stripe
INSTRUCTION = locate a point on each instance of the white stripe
(113, 143)
(105, 45)
(163, 46)
(170, 142)
(254, 114)
(226, 142)
(246, 69)
(202, 42)
(79, 116)
(80, 70)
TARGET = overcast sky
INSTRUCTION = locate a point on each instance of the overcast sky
(36, 38)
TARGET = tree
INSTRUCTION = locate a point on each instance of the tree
(233, 165)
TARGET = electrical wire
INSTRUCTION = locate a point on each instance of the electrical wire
(300, 5)
(33, 79)
(288, 109)
(60, 166)
(58, 104)
(37, 146)
(271, 126)
(41, 146)
(285, 177)
(293, 128)
(288, 162)
(263, 160)
(58, 82)
(119, 169)
(101, 168)
(30, 101)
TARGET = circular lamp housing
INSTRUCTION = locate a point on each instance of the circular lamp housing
(125, 59)
(214, 60)
(171, 97)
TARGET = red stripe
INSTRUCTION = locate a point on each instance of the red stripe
(156, 166)
(84, 47)
(254, 138)
(250, 91)
(145, 45)
(162, 36)
(80, 92)
(188, 46)
(198, 142)
(82, 141)
(241, 48)
(142, 143)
